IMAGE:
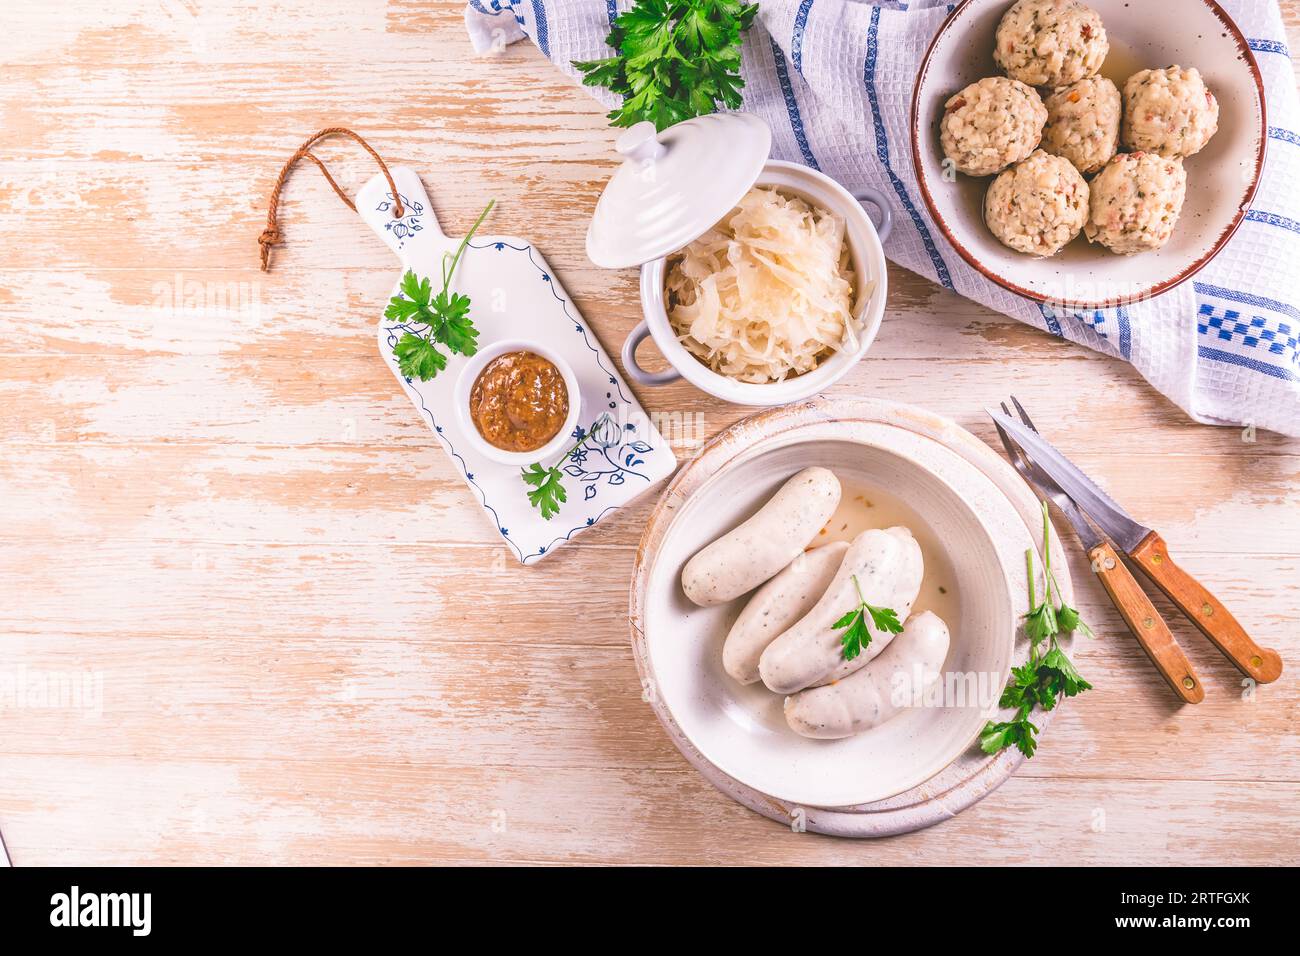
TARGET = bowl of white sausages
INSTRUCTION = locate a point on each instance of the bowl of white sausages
(741, 585)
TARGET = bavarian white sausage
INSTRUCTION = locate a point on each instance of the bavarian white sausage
(778, 604)
(893, 681)
(755, 551)
(906, 588)
(812, 648)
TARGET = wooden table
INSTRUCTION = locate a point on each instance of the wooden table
(301, 643)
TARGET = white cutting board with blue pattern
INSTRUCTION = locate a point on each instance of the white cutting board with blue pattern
(514, 294)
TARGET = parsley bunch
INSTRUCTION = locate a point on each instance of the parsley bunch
(445, 317)
(676, 59)
(1045, 678)
(854, 624)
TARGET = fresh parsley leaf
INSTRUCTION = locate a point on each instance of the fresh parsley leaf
(854, 624)
(1040, 623)
(675, 59)
(417, 357)
(445, 317)
(403, 309)
(1019, 733)
(1020, 688)
(453, 326)
(547, 492)
(416, 289)
(856, 637)
(1069, 620)
(885, 619)
(1043, 679)
(1061, 672)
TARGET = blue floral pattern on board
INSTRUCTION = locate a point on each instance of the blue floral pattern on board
(406, 226)
(603, 457)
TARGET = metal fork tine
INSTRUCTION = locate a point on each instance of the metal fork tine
(1024, 415)
(1044, 484)
(1011, 447)
(1018, 455)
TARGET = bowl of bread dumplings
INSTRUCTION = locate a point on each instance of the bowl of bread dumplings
(1088, 154)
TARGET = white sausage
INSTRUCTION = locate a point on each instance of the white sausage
(778, 604)
(906, 589)
(893, 681)
(812, 648)
(755, 551)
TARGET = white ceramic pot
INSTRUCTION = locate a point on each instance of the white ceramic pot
(865, 236)
(465, 383)
(674, 186)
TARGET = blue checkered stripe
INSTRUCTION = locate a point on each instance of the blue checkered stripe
(1249, 330)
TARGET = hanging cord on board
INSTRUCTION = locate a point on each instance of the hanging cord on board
(271, 234)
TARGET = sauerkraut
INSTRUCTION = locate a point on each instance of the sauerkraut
(768, 292)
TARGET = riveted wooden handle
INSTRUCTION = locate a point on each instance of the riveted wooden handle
(1203, 608)
(1146, 624)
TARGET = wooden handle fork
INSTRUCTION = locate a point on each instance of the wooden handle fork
(1204, 610)
(1146, 623)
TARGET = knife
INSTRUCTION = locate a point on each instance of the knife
(1150, 553)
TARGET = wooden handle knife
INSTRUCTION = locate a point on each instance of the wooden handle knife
(1205, 611)
(1146, 623)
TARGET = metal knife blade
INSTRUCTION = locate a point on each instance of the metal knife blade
(1088, 536)
(1047, 488)
(1101, 507)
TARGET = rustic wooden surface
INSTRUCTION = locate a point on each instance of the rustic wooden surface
(311, 648)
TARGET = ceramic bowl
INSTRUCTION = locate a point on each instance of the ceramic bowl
(552, 450)
(866, 236)
(741, 729)
(1221, 178)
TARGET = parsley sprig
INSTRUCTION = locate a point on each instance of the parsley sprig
(676, 59)
(445, 317)
(547, 484)
(547, 492)
(854, 624)
(1046, 677)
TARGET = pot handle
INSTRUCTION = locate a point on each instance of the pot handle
(635, 372)
(884, 218)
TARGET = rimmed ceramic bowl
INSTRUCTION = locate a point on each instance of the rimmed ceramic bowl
(465, 383)
(1221, 178)
(866, 234)
(741, 729)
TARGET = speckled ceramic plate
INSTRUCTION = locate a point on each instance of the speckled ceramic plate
(717, 724)
(1221, 179)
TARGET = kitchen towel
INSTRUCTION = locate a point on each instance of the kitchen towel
(833, 79)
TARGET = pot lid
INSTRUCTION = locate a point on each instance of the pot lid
(674, 186)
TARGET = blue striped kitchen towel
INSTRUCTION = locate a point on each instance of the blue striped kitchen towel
(833, 79)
